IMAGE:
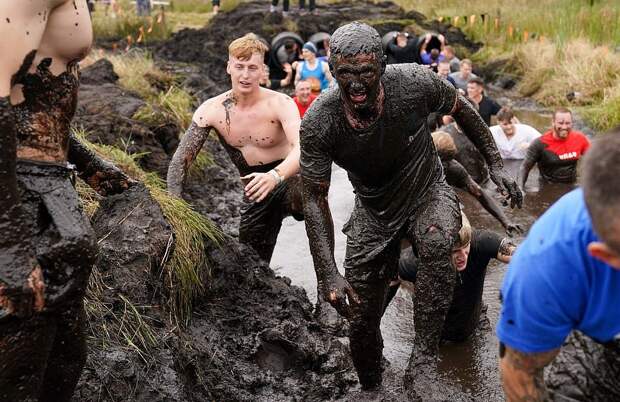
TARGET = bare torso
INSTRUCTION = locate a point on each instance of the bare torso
(46, 97)
(255, 130)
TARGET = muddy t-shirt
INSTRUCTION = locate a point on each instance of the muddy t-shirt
(557, 158)
(390, 164)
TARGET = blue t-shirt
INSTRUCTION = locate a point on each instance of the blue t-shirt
(553, 285)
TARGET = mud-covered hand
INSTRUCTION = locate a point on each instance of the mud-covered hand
(337, 291)
(513, 229)
(24, 296)
(109, 180)
(507, 186)
(259, 185)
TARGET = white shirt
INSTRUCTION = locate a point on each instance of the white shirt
(516, 146)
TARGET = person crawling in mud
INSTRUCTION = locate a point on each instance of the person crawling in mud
(458, 177)
(374, 126)
(565, 276)
(259, 128)
(556, 152)
(470, 257)
(47, 246)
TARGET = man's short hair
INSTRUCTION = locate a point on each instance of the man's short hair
(302, 82)
(599, 174)
(561, 110)
(353, 39)
(477, 81)
(466, 61)
(449, 48)
(243, 48)
(444, 61)
(505, 114)
(444, 143)
(464, 234)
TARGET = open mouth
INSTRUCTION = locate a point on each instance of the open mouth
(245, 83)
(358, 98)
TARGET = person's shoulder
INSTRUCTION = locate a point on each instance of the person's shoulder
(579, 135)
(495, 130)
(204, 112)
(318, 115)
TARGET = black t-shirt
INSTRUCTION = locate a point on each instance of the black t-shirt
(397, 54)
(464, 312)
(487, 108)
(391, 163)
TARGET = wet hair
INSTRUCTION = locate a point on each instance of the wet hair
(353, 39)
(243, 48)
(599, 172)
(466, 61)
(444, 143)
(505, 114)
(477, 81)
(561, 110)
(464, 234)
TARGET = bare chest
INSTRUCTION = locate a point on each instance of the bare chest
(258, 127)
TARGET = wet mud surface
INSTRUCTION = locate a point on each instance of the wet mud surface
(254, 337)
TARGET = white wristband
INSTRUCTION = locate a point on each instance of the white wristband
(276, 176)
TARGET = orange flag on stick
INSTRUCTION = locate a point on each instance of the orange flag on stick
(129, 42)
(511, 31)
(526, 36)
(160, 18)
(140, 35)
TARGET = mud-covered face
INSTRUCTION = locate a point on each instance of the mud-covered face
(245, 75)
(562, 124)
(359, 79)
(460, 256)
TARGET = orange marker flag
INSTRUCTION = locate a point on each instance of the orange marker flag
(511, 31)
(496, 24)
(160, 18)
(472, 19)
(526, 36)
(129, 42)
(150, 25)
(140, 35)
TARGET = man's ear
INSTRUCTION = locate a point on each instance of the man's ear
(602, 252)
(228, 67)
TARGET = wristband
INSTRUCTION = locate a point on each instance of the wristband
(276, 175)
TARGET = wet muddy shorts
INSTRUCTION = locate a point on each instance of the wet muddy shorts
(261, 221)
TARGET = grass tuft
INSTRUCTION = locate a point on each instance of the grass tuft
(174, 105)
(187, 269)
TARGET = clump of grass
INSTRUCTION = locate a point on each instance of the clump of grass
(173, 105)
(605, 115)
(89, 199)
(187, 268)
(116, 323)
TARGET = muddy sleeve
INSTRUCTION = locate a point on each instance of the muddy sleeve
(188, 149)
(441, 95)
(456, 174)
(534, 152)
(315, 160)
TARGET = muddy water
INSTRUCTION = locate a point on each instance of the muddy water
(473, 364)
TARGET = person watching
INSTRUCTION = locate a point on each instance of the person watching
(512, 139)
(303, 96)
(462, 77)
(487, 107)
(556, 152)
(450, 57)
(470, 257)
(565, 276)
(275, 83)
(443, 69)
(401, 49)
(312, 69)
(435, 55)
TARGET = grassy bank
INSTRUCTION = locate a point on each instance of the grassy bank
(555, 47)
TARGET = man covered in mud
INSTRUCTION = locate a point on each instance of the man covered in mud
(374, 126)
(556, 152)
(47, 246)
(471, 255)
(259, 129)
(565, 276)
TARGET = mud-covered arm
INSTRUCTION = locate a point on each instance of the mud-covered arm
(478, 132)
(522, 374)
(186, 153)
(532, 157)
(101, 175)
(319, 227)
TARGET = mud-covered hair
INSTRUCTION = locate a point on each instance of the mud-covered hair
(446, 148)
(599, 173)
(464, 234)
(353, 39)
(243, 48)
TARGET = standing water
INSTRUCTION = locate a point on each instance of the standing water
(472, 365)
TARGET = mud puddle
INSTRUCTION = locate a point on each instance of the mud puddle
(471, 365)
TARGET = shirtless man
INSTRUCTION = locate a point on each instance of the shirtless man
(374, 126)
(47, 245)
(259, 129)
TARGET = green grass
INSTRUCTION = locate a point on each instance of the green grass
(186, 270)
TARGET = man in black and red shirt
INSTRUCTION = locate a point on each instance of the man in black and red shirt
(556, 152)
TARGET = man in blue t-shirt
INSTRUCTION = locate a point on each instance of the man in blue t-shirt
(565, 276)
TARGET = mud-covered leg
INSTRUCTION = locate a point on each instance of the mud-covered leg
(67, 356)
(434, 230)
(370, 281)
